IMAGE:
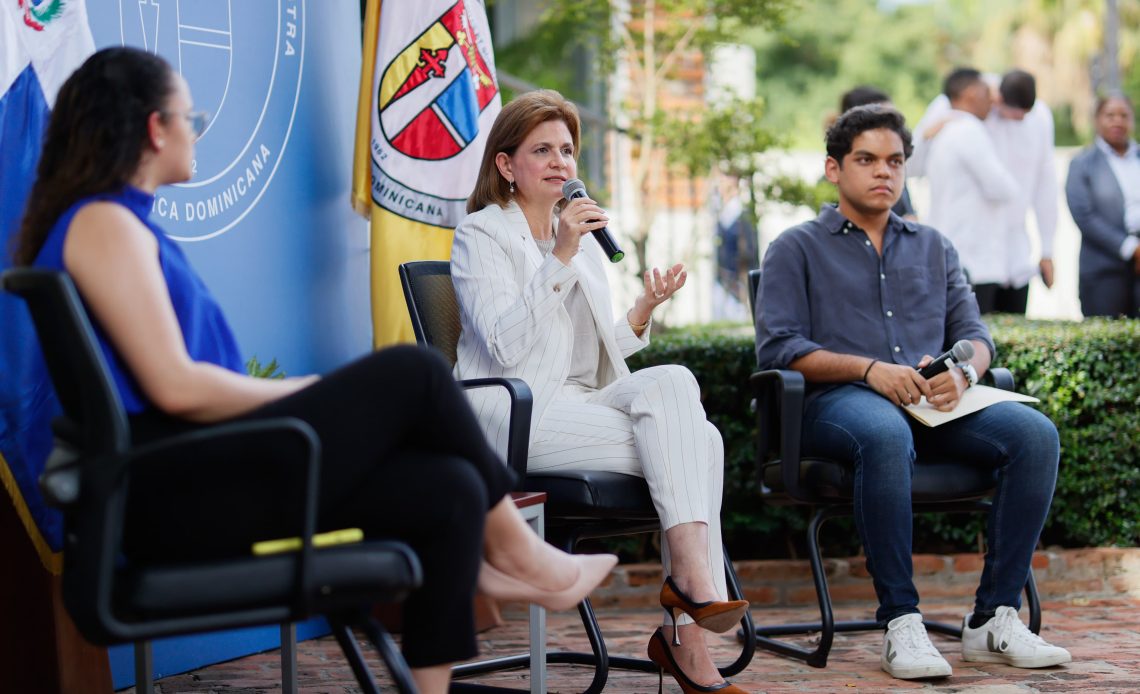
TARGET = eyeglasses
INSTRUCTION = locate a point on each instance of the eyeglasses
(198, 120)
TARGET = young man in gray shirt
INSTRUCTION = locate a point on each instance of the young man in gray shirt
(855, 300)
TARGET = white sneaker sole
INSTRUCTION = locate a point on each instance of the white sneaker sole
(1028, 662)
(916, 672)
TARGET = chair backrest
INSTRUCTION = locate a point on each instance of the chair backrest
(432, 304)
(95, 422)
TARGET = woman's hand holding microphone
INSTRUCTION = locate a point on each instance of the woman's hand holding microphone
(579, 217)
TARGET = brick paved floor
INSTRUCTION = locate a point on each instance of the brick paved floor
(1103, 635)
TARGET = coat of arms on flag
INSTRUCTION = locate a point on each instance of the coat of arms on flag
(434, 99)
(428, 97)
(431, 95)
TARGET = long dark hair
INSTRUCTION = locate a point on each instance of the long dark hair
(95, 138)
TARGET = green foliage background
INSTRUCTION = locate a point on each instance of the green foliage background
(1084, 374)
(810, 52)
(905, 48)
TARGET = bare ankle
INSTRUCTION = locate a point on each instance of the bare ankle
(693, 655)
(695, 589)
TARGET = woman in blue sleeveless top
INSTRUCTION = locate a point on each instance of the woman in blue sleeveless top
(394, 427)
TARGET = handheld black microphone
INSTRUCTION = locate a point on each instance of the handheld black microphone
(962, 351)
(574, 188)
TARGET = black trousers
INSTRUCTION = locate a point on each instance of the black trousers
(402, 458)
(994, 298)
(1111, 294)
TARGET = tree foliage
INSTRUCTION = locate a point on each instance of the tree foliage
(732, 138)
(825, 48)
(643, 42)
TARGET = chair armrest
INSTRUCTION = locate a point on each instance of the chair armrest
(999, 378)
(779, 417)
(106, 480)
(518, 432)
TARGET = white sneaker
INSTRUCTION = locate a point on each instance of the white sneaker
(1004, 639)
(908, 653)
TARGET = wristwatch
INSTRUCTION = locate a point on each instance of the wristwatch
(970, 373)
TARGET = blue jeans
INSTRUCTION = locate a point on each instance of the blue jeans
(856, 424)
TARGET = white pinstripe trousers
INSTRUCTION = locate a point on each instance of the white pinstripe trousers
(650, 424)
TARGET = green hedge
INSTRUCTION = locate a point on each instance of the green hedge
(1084, 373)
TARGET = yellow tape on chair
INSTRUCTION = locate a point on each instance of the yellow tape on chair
(345, 536)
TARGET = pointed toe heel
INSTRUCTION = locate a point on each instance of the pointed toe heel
(717, 616)
(592, 570)
(658, 651)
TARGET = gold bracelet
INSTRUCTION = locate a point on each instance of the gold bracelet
(636, 327)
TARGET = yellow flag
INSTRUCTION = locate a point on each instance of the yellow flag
(428, 97)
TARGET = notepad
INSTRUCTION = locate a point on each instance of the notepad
(973, 399)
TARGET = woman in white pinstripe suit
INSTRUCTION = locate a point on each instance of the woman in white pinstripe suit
(535, 304)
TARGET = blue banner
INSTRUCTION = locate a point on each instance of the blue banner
(266, 218)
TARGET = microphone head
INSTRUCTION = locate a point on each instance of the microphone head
(963, 350)
(569, 188)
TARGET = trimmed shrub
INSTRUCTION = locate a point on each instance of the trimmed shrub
(1084, 373)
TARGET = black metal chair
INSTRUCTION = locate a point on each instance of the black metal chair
(581, 504)
(788, 478)
(114, 598)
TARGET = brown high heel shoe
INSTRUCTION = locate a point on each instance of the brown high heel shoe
(658, 651)
(715, 615)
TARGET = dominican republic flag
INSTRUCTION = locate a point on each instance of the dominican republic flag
(41, 44)
(428, 97)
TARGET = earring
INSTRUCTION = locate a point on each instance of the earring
(161, 143)
(512, 187)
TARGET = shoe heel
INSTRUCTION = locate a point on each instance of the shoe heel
(660, 680)
(676, 631)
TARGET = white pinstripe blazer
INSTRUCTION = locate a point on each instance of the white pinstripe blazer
(513, 320)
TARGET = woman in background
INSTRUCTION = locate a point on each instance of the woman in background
(1103, 190)
(535, 304)
(122, 126)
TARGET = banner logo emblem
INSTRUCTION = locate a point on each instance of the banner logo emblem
(432, 110)
(39, 13)
(243, 61)
(431, 95)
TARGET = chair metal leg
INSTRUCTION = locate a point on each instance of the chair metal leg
(289, 658)
(828, 627)
(1034, 601)
(353, 655)
(144, 668)
(748, 649)
(397, 666)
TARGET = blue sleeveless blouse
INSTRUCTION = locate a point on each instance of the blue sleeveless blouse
(207, 335)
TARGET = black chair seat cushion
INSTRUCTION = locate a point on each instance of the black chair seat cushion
(343, 577)
(933, 480)
(593, 494)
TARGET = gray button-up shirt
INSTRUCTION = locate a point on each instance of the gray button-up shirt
(823, 286)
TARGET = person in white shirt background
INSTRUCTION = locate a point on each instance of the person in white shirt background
(1103, 191)
(1020, 127)
(970, 189)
